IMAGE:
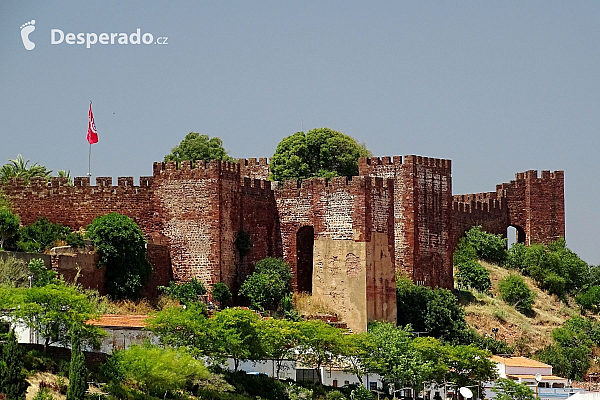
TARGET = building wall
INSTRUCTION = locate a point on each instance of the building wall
(422, 215)
(535, 205)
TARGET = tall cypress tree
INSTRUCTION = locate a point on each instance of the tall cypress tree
(12, 376)
(77, 370)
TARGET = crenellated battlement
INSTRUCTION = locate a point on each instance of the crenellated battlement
(483, 206)
(322, 183)
(391, 167)
(251, 162)
(104, 183)
(256, 187)
(202, 168)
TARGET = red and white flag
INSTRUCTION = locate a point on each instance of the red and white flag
(92, 134)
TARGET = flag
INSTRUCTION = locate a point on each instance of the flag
(92, 134)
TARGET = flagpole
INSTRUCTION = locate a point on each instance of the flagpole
(90, 151)
(90, 161)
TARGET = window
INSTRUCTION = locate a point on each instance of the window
(372, 385)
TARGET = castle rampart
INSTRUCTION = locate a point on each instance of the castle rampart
(344, 239)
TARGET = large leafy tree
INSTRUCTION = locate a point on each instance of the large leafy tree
(279, 337)
(122, 248)
(53, 311)
(320, 152)
(183, 327)
(268, 285)
(320, 343)
(198, 147)
(9, 225)
(19, 168)
(234, 334)
(435, 312)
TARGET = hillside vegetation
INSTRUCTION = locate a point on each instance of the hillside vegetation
(526, 333)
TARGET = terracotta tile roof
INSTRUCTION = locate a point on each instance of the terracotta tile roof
(519, 362)
(544, 377)
(120, 321)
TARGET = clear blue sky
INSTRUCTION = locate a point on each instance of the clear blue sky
(498, 87)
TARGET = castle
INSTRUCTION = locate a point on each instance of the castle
(343, 239)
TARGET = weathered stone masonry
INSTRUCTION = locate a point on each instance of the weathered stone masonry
(343, 239)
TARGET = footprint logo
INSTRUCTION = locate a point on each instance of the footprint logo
(26, 29)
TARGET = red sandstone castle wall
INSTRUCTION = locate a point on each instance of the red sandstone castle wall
(534, 205)
(422, 215)
(77, 206)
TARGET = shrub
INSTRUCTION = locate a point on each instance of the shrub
(41, 235)
(268, 285)
(220, 293)
(589, 300)
(335, 395)
(489, 247)
(44, 394)
(515, 292)
(362, 393)
(122, 248)
(554, 284)
(465, 252)
(185, 292)
(516, 257)
(473, 275)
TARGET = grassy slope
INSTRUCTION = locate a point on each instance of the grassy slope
(526, 333)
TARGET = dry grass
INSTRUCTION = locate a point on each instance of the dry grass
(129, 307)
(526, 333)
(306, 304)
(35, 380)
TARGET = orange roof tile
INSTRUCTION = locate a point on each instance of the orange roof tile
(121, 321)
(519, 362)
(544, 377)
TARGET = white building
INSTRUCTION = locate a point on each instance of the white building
(534, 374)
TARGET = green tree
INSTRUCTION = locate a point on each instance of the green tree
(185, 292)
(53, 310)
(155, 371)
(13, 381)
(507, 389)
(233, 333)
(184, 327)
(395, 358)
(470, 365)
(122, 248)
(279, 337)
(268, 285)
(77, 370)
(516, 292)
(41, 276)
(220, 293)
(489, 247)
(320, 343)
(436, 312)
(41, 235)
(357, 350)
(198, 147)
(19, 168)
(589, 299)
(473, 275)
(9, 225)
(321, 152)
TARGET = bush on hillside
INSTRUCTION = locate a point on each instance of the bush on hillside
(515, 292)
(488, 246)
(473, 275)
(589, 299)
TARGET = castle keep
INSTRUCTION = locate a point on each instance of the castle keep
(343, 239)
